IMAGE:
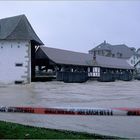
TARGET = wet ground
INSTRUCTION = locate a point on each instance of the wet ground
(90, 94)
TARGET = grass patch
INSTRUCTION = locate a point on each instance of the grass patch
(17, 131)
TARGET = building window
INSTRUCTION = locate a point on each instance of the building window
(19, 82)
(131, 61)
(134, 57)
(96, 72)
(113, 55)
(18, 64)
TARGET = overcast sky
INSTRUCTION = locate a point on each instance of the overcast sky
(80, 25)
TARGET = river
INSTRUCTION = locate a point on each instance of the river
(91, 94)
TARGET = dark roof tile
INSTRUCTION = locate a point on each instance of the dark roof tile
(82, 59)
(17, 27)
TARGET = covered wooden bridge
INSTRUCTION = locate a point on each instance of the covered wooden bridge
(69, 66)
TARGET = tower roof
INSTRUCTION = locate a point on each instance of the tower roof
(18, 28)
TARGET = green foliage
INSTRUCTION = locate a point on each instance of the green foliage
(17, 131)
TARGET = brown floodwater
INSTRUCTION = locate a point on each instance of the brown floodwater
(91, 94)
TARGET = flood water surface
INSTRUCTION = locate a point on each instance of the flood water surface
(91, 94)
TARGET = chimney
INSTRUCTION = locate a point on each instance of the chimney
(94, 57)
(104, 41)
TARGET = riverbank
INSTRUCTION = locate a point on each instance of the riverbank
(17, 131)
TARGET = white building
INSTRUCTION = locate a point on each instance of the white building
(134, 61)
(17, 50)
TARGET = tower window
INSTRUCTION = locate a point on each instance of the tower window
(18, 64)
(19, 82)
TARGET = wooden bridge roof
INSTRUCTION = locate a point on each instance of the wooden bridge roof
(66, 57)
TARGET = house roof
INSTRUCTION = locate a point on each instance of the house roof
(136, 54)
(66, 57)
(17, 27)
(104, 45)
(121, 48)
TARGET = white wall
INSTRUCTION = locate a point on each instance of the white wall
(12, 53)
(94, 72)
(133, 60)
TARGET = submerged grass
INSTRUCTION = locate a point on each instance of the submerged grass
(17, 131)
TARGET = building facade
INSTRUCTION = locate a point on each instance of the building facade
(15, 64)
(116, 51)
(17, 50)
(134, 61)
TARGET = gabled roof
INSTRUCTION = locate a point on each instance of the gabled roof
(19, 28)
(136, 54)
(66, 57)
(104, 45)
(121, 48)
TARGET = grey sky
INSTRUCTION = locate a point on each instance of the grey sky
(80, 25)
